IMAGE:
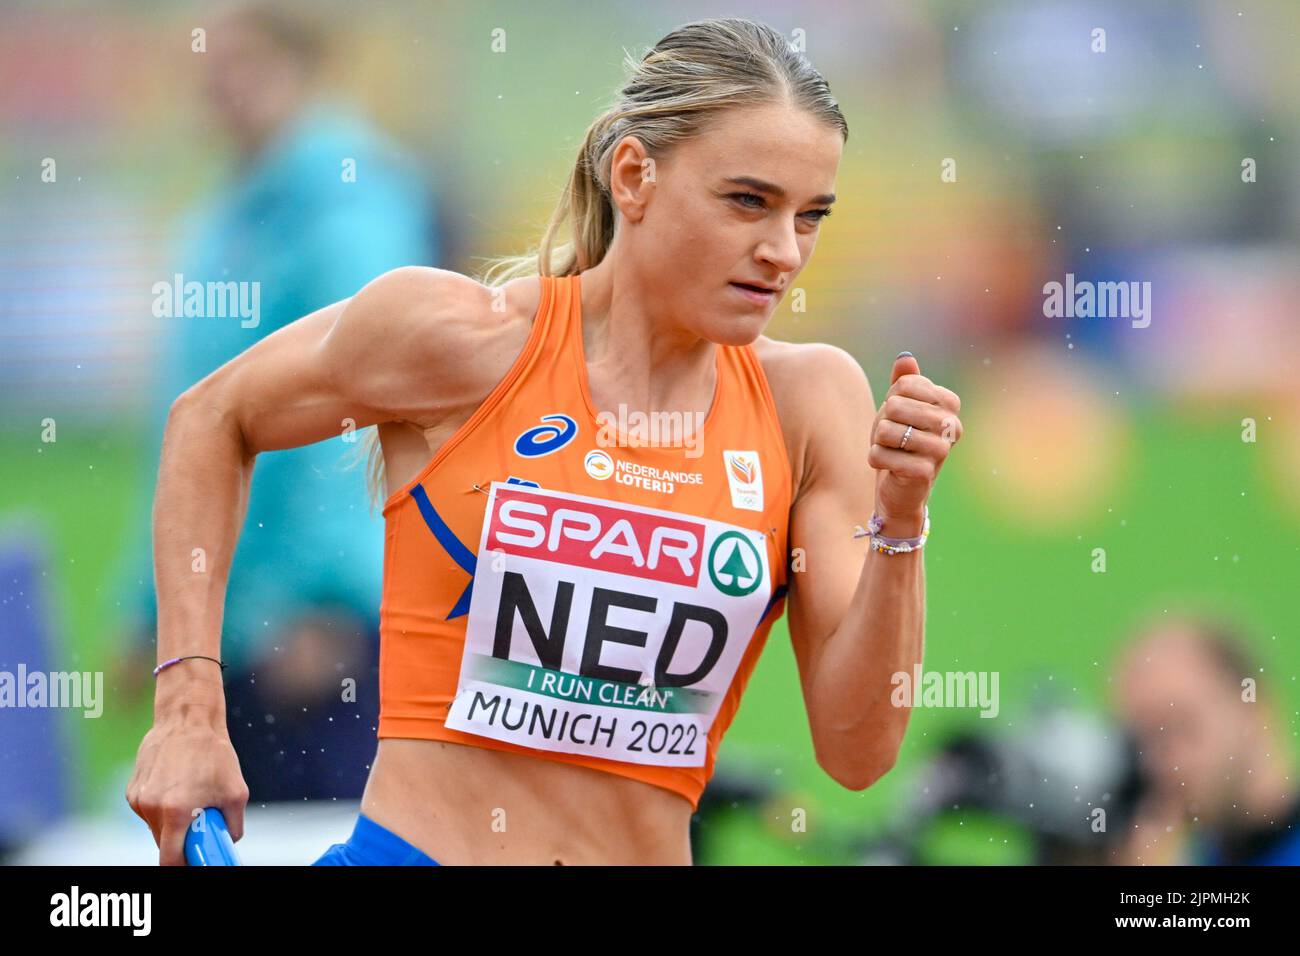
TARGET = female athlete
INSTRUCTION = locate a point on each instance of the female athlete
(572, 607)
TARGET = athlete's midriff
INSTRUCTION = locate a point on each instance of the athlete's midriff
(471, 806)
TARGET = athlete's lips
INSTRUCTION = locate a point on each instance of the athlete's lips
(757, 285)
(757, 293)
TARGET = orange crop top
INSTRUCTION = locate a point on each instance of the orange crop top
(553, 589)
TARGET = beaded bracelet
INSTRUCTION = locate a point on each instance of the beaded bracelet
(892, 545)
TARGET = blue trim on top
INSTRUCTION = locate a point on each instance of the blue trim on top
(462, 555)
(779, 593)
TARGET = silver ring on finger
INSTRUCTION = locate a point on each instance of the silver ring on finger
(902, 445)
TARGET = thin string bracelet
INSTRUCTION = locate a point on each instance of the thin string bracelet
(192, 657)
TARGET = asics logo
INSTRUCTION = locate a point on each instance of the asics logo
(544, 439)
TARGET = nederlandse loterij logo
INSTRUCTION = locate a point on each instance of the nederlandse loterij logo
(598, 464)
(665, 481)
(735, 565)
(745, 479)
(544, 439)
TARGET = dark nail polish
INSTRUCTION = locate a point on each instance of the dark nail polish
(901, 354)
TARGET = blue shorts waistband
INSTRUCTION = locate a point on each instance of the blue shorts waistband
(374, 845)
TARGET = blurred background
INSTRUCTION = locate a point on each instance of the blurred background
(1117, 539)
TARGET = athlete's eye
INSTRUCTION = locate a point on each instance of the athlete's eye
(758, 204)
(817, 215)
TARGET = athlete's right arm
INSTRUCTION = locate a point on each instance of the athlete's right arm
(402, 348)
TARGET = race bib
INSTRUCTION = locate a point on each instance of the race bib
(605, 629)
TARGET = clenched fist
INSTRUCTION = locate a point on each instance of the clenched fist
(911, 436)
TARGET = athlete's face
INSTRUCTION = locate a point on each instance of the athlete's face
(739, 204)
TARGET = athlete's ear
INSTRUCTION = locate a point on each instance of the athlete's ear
(632, 177)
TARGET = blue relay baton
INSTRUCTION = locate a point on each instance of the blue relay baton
(208, 842)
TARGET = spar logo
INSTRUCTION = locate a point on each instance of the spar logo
(735, 566)
(604, 537)
(544, 439)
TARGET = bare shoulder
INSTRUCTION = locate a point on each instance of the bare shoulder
(819, 390)
(424, 341)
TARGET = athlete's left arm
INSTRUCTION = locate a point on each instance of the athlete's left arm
(856, 616)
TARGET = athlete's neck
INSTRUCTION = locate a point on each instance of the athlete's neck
(636, 356)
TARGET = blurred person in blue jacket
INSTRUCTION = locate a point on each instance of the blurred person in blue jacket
(1221, 781)
(320, 203)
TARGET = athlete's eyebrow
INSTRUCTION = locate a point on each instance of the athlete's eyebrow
(825, 199)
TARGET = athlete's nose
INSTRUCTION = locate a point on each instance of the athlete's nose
(780, 247)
